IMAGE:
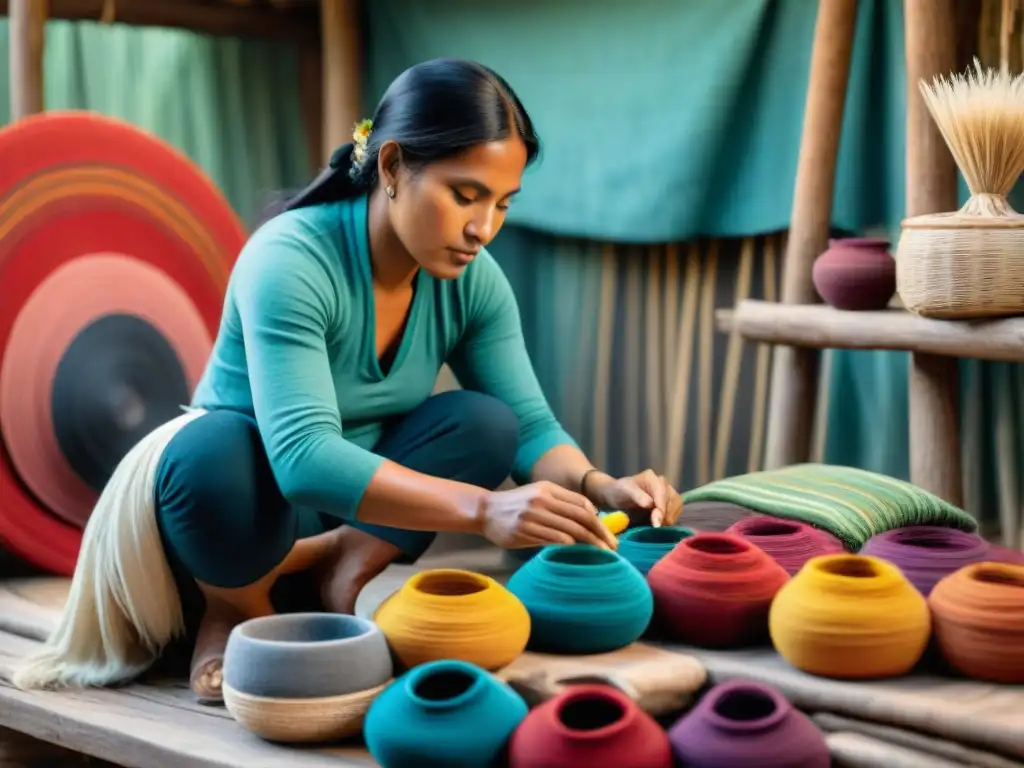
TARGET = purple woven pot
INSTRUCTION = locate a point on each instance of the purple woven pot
(789, 542)
(927, 553)
(742, 724)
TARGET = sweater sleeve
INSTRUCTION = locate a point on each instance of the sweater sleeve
(287, 301)
(491, 357)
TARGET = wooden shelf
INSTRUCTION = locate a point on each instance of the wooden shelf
(297, 22)
(822, 327)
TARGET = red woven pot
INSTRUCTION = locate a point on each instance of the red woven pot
(589, 726)
(714, 590)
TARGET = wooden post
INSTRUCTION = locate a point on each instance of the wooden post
(795, 371)
(342, 71)
(311, 92)
(26, 25)
(931, 188)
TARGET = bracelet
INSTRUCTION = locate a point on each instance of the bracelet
(583, 481)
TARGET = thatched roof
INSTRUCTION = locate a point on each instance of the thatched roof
(274, 19)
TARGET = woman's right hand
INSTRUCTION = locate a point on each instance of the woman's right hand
(539, 514)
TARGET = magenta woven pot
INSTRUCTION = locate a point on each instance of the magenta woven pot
(790, 544)
(743, 724)
(927, 553)
(1002, 554)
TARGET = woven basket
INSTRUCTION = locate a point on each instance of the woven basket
(970, 263)
(330, 718)
(963, 265)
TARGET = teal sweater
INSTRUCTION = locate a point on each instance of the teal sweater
(296, 349)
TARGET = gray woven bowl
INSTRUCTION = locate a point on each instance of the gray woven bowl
(306, 655)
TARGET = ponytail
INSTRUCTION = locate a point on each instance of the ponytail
(333, 184)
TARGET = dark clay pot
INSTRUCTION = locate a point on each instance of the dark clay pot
(856, 273)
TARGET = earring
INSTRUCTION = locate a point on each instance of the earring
(390, 191)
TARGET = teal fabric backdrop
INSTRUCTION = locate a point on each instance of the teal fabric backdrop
(664, 120)
(661, 121)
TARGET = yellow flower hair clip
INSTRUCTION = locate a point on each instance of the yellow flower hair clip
(360, 136)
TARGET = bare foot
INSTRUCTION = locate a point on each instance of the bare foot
(357, 559)
(220, 617)
(205, 675)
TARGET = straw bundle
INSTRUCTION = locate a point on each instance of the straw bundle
(970, 263)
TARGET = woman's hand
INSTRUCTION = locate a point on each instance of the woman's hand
(539, 514)
(646, 492)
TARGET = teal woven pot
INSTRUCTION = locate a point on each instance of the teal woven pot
(443, 714)
(643, 547)
(582, 599)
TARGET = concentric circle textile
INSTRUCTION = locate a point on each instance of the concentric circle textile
(115, 252)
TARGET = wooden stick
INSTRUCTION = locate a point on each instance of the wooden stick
(220, 19)
(27, 30)
(795, 371)
(342, 72)
(931, 188)
(822, 327)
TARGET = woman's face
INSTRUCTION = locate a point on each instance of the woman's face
(446, 212)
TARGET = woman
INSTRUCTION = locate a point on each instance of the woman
(314, 454)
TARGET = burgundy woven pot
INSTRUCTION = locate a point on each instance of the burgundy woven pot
(791, 543)
(856, 273)
(927, 553)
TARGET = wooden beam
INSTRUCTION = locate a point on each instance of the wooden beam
(822, 327)
(931, 188)
(219, 19)
(26, 43)
(342, 71)
(793, 392)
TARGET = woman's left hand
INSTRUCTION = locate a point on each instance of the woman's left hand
(645, 492)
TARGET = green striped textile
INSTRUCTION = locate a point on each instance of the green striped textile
(851, 504)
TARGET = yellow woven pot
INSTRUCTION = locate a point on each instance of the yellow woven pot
(850, 616)
(454, 614)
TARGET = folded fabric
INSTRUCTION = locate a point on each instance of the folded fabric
(951, 709)
(930, 751)
(855, 750)
(851, 504)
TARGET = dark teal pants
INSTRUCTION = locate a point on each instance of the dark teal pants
(223, 519)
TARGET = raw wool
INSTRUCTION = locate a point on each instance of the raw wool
(981, 116)
(123, 606)
(967, 264)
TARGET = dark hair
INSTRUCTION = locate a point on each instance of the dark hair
(434, 110)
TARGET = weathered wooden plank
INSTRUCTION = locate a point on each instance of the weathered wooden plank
(18, 750)
(824, 327)
(148, 726)
(31, 615)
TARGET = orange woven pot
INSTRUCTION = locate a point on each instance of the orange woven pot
(978, 613)
(850, 616)
(454, 614)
